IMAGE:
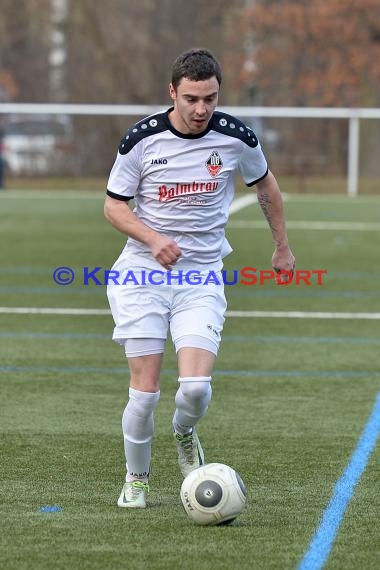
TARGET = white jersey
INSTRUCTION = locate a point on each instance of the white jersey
(183, 184)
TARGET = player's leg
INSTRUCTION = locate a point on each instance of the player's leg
(195, 331)
(138, 417)
(142, 328)
(194, 392)
(191, 401)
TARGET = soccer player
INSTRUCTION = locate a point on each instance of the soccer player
(179, 167)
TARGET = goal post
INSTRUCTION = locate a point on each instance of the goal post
(352, 115)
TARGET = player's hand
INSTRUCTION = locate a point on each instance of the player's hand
(166, 252)
(284, 260)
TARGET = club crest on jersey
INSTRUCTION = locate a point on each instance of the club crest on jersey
(214, 163)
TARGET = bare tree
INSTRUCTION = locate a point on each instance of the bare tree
(119, 51)
(122, 52)
(24, 48)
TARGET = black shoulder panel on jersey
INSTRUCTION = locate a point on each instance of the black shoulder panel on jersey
(233, 127)
(144, 128)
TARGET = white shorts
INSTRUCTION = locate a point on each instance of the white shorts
(148, 311)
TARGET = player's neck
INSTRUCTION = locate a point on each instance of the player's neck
(180, 125)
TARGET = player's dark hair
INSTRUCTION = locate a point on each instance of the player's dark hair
(196, 65)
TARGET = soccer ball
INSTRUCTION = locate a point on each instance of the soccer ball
(213, 494)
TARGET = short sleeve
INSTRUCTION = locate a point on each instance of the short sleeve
(125, 174)
(253, 166)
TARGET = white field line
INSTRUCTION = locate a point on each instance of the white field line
(54, 194)
(332, 198)
(302, 315)
(52, 311)
(247, 200)
(236, 314)
(242, 202)
(306, 225)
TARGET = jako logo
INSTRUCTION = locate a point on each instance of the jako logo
(159, 161)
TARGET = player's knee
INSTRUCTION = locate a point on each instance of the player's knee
(196, 389)
(142, 404)
(137, 420)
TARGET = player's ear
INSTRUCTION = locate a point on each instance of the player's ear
(172, 92)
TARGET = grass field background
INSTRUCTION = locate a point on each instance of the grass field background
(291, 398)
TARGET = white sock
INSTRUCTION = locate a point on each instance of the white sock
(192, 399)
(138, 427)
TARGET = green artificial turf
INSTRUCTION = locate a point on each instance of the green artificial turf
(291, 398)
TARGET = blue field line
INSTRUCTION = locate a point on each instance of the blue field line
(298, 293)
(228, 338)
(355, 274)
(323, 540)
(301, 339)
(56, 290)
(58, 336)
(25, 270)
(228, 373)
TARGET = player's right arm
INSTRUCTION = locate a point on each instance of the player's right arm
(163, 249)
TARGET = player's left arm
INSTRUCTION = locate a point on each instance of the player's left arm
(270, 200)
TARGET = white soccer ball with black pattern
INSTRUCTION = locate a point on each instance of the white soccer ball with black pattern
(213, 494)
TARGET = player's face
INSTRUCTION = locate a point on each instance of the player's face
(194, 104)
